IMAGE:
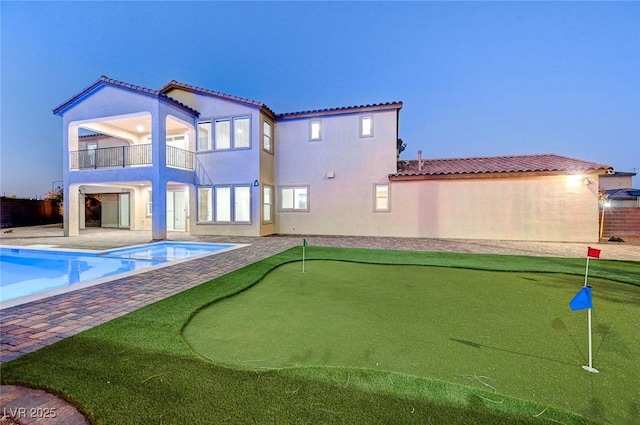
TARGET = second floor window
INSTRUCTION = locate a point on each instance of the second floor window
(224, 134)
(316, 130)
(241, 133)
(366, 126)
(267, 136)
(204, 136)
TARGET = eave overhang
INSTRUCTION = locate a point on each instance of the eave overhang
(176, 85)
(340, 111)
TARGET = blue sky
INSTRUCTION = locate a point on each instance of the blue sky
(476, 78)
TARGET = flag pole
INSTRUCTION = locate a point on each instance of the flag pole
(304, 248)
(586, 273)
(590, 368)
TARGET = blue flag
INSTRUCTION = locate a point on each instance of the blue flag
(582, 299)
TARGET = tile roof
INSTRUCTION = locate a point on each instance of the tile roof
(173, 84)
(340, 110)
(106, 81)
(496, 165)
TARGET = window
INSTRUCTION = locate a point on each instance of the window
(381, 197)
(366, 126)
(294, 198)
(316, 130)
(267, 136)
(204, 136)
(267, 204)
(225, 204)
(205, 211)
(241, 132)
(149, 203)
(223, 134)
(242, 198)
(228, 133)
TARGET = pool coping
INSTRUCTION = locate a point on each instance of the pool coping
(13, 302)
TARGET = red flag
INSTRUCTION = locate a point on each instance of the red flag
(593, 252)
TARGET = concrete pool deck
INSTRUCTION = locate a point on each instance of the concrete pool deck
(29, 327)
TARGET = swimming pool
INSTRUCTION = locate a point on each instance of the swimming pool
(27, 274)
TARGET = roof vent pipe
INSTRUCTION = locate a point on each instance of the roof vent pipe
(420, 160)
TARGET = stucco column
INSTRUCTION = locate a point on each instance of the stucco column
(158, 179)
(71, 219)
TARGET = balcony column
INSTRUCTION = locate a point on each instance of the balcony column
(158, 178)
(71, 220)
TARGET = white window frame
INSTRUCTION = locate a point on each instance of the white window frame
(214, 142)
(267, 204)
(209, 204)
(267, 136)
(313, 137)
(234, 141)
(362, 126)
(296, 189)
(213, 211)
(218, 134)
(208, 145)
(218, 217)
(235, 199)
(387, 198)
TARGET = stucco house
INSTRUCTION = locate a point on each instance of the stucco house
(185, 158)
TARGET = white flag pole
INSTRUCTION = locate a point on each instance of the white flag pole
(590, 368)
(586, 273)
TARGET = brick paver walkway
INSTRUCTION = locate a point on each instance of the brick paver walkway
(31, 326)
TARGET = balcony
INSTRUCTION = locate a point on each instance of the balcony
(127, 156)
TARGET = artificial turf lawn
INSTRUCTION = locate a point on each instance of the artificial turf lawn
(512, 331)
(137, 369)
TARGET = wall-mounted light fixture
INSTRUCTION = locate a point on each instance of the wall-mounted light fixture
(587, 181)
(256, 183)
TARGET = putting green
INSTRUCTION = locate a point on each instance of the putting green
(509, 332)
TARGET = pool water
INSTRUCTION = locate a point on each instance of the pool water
(166, 250)
(25, 273)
